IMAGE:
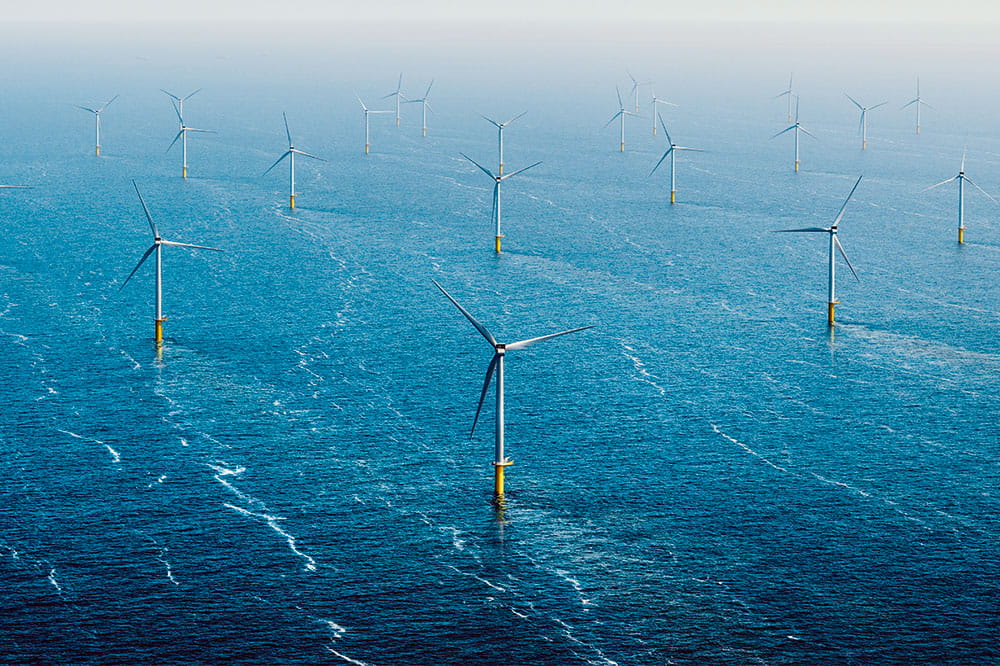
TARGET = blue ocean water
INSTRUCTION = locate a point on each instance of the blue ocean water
(710, 475)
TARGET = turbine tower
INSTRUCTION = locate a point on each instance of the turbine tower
(672, 152)
(622, 112)
(834, 244)
(157, 247)
(496, 193)
(961, 178)
(97, 121)
(863, 123)
(500, 127)
(366, 112)
(290, 154)
(797, 127)
(500, 460)
(424, 105)
(919, 102)
(182, 135)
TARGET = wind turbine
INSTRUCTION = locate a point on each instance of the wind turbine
(635, 89)
(622, 112)
(500, 127)
(961, 178)
(290, 154)
(919, 101)
(182, 135)
(424, 104)
(652, 107)
(787, 93)
(398, 94)
(500, 461)
(863, 123)
(797, 127)
(367, 111)
(672, 152)
(180, 100)
(834, 242)
(496, 192)
(97, 120)
(157, 247)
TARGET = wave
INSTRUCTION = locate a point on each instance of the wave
(272, 522)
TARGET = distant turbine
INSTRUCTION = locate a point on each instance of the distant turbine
(367, 111)
(797, 127)
(182, 135)
(635, 89)
(919, 101)
(398, 94)
(962, 178)
(496, 193)
(290, 154)
(672, 152)
(652, 107)
(500, 127)
(787, 93)
(834, 241)
(863, 123)
(500, 461)
(97, 119)
(180, 100)
(424, 104)
(157, 245)
(621, 114)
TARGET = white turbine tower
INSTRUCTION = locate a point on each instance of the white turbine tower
(157, 247)
(652, 107)
(500, 127)
(797, 127)
(398, 94)
(672, 152)
(496, 193)
(424, 105)
(290, 154)
(635, 89)
(919, 101)
(787, 92)
(622, 112)
(863, 123)
(182, 135)
(961, 178)
(97, 121)
(834, 244)
(366, 112)
(500, 460)
(180, 100)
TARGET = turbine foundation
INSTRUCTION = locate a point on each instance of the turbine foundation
(291, 201)
(498, 474)
(864, 145)
(961, 234)
(497, 244)
(367, 146)
(673, 196)
(184, 172)
(796, 166)
(97, 150)
(159, 331)
(830, 312)
(424, 131)
(623, 147)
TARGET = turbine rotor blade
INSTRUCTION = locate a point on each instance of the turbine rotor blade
(196, 247)
(855, 102)
(190, 95)
(108, 103)
(277, 162)
(803, 129)
(982, 190)
(613, 118)
(484, 169)
(491, 121)
(170, 94)
(486, 387)
(175, 140)
(534, 341)
(514, 118)
(426, 94)
(661, 159)
(305, 154)
(619, 93)
(514, 173)
(288, 132)
(177, 111)
(789, 129)
(144, 257)
(479, 327)
(805, 230)
(841, 213)
(152, 226)
(943, 182)
(877, 105)
(836, 241)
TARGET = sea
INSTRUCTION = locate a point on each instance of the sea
(709, 475)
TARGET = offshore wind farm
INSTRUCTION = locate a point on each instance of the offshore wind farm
(311, 462)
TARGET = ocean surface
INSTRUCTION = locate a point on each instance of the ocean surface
(709, 475)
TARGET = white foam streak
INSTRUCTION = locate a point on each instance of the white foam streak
(749, 450)
(347, 659)
(272, 522)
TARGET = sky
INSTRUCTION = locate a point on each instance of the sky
(975, 12)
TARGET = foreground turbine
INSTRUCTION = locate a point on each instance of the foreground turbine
(182, 135)
(424, 105)
(834, 242)
(500, 461)
(97, 121)
(290, 154)
(797, 127)
(919, 101)
(672, 152)
(863, 123)
(961, 178)
(622, 112)
(157, 246)
(500, 127)
(496, 193)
